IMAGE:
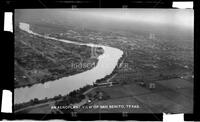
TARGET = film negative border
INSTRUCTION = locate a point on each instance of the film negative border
(10, 5)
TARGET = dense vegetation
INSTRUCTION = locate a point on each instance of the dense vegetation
(39, 60)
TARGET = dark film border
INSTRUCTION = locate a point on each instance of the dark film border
(7, 42)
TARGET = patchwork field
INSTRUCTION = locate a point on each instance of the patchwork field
(170, 96)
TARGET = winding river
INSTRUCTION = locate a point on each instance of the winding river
(106, 64)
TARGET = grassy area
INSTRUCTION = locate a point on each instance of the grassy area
(164, 98)
(38, 60)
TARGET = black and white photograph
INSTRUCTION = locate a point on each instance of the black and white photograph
(103, 61)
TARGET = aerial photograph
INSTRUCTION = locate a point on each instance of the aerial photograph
(103, 61)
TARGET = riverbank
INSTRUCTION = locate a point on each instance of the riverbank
(39, 59)
(74, 96)
(57, 76)
(106, 64)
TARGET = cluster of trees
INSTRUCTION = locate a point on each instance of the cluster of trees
(35, 101)
(100, 95)
(99, 50)
(73, 97)
(77, 95)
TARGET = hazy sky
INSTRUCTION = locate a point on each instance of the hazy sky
(179, 17)
(178, 22)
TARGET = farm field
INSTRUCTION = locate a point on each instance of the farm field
(168, 98)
